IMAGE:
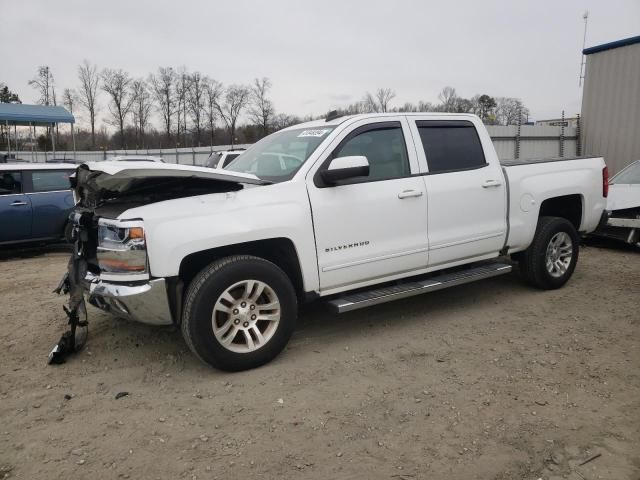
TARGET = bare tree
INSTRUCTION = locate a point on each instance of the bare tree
(54, 100)
(261, 109)
(407, 107)
(163, 87)
(426, 107)
(282, 120)
(369, 104)
(141, 108)
(383, 97)
(117, 84)
(235, 99)
(43, 83)
(213, 90)
(69, 99)
(89, 83)
(181, 92)
(196, 103)
(510, 111)
(447, 99)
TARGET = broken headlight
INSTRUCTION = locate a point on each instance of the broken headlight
(122, 250)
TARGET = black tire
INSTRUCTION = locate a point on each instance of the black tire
(533, 264)
(202, 295)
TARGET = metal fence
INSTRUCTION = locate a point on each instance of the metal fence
(511, 142)
(527, 141)
(185, 156)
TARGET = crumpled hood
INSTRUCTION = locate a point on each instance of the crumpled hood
(121, 175)
(139, 183)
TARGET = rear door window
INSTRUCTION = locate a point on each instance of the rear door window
(51, 180)
(10, 183)
(451, 145)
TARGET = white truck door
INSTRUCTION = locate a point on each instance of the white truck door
(368, 229)
(466, 191)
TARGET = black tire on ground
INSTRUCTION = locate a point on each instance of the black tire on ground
(533, 261)
(205, 290)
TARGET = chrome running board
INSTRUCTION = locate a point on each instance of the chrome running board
(367, 298)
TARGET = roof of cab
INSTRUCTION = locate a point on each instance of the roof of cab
(337, 121)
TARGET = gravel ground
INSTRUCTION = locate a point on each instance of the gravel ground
(492, 380)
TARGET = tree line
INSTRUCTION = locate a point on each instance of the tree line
(492, 110)
(196, 110)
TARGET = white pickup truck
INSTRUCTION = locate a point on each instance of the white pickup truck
(351, 211)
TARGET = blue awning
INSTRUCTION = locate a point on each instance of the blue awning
(19, 114)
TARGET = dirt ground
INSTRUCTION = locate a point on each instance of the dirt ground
(492, 380)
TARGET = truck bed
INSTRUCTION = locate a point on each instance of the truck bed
(532, 182)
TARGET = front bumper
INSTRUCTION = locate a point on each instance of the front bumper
(143, 302)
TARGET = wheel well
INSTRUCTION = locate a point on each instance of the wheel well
(567, 206)
(279, 251)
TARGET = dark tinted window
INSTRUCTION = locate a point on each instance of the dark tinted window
(230, 157)
(385, 150)
(10, 182)
(451, 146)
(48, 181)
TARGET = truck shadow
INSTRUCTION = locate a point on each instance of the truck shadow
(609, 243)
(316, 322)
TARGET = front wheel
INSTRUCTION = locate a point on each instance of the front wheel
(551, 258)
(239, 313)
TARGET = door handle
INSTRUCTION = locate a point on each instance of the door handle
(17, 203)
(409, 194)
(491, 183)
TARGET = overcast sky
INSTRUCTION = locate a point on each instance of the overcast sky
(323, 54)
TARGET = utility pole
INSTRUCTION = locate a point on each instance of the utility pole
(585, 17)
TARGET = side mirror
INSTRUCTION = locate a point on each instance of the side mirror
(344, 168)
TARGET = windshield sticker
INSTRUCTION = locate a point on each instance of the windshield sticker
(313, 133)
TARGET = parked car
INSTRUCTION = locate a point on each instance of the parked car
(35, 201)
(135, 158)
(223, 158)
(368, 209)
(623, 204)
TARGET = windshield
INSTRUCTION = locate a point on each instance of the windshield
(630, 175)
(279, 156)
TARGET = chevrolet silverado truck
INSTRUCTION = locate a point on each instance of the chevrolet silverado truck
(351, 211)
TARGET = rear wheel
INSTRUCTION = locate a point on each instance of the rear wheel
(551, 258)
(239, 313)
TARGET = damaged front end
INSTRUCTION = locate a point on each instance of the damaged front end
(109, 265)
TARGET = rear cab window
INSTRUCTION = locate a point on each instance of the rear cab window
(10, 182)
(227, 160)
(451, 146)
(51, 180)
